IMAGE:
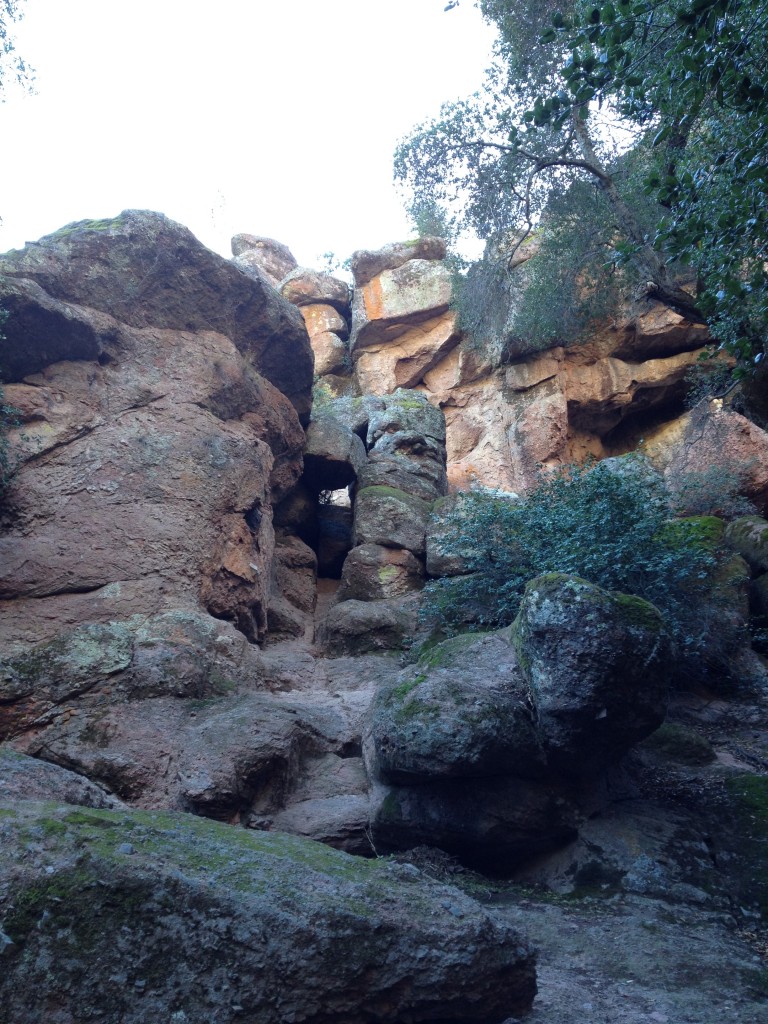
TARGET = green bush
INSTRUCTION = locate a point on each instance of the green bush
(604, 524)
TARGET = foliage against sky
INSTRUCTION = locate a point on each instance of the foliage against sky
(681, 86)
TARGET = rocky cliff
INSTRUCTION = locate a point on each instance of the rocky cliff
(209, 607)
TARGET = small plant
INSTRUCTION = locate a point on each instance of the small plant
(606, 525)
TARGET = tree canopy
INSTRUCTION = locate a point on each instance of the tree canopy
(12, 66)
(630, 136)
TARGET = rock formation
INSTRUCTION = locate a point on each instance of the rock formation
(203, 580)
(129, 916)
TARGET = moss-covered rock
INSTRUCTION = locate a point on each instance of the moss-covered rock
(598, 666)
(135, 916)
(389, 516)
(461, 712)
(749, 537)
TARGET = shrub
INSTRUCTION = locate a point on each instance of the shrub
(603, 524)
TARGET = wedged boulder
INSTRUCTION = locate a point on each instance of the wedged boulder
(331, 355)
(363, 627)
(146, 271)
(421, 477)
(396, 300)
(333, 455)
(748, 535)
(271, 258)
(461, 712)
(372, 572)
(130, 916)
(405, 436)
(306, 287)
(367, 264)
(355, 412)
(492, 824)
(410, 461)
(392, 518)
(598, 665)
(321, 318)
(406, 412)
(405, 361)
(27, 778)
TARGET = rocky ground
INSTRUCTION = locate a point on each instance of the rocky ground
(637, 960)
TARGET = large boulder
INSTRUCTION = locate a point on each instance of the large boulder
(306, 287)
(146, 271)
(333, 455)
(493, 824)
(748, 535)
(176, 653)
(718, 450)
(150, 448)
(396, 300)
(129, 916)
(372, 572)
(598, 665)
(461, 712)
(27, 778)
(226, 757)
(404, 360)
(362, 627)
(388, 516)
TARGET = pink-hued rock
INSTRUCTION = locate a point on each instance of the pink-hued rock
(321, 317)
(389, 304)
(146, 272)
(149, 455)
(331, 354)
(717, 445)
(263, 255)
(307, 287)
(367, 264)
(405, 361)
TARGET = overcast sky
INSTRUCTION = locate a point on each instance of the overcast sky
(275, 118)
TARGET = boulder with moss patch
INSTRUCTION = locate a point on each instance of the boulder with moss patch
(128, 917)
(598, 665)
(460, 712)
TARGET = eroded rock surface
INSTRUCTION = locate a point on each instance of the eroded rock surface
(129, 915)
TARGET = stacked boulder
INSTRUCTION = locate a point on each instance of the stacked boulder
(324, 300)
(491, 745)
(324, 303)
(401, 322)
(401, 477)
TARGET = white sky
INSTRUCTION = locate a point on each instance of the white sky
(275, 117)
